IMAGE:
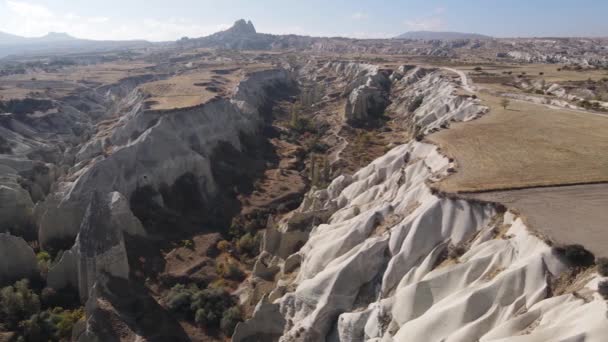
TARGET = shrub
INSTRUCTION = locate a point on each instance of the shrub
(179, 297)
(230, 271)
(576, 255)
(248, 244)
(456, 251)
(602, 289)
(17, 303)
(504, 103)
(230, 319)
(188, 244)
(209, 305)
(44, 261)
(602, 266)
(223, 246)
(206, 307)
(51, 325)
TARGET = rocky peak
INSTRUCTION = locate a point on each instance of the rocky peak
(242, 27)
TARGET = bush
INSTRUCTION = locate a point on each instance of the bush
(179, 297)
(602, 266)
(17, 303)
(230, 271)
(51, 325)
(213, 303)
(188, 244)
(230, 319)
(248, 244)
(223, 246)
(206, 307)
(456, 251)
(602, 289)
(576, 255)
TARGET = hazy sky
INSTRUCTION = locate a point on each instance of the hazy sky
(158, 20)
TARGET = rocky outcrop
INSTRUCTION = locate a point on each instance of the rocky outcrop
(365, 103)
(16, 206)
(158, 157)
(119, 310)
(380, 268)
(17, 260)
(427, 100)
(99, 247)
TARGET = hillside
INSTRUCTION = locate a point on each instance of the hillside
(436, 35)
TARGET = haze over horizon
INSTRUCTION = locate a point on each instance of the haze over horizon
(156, 20)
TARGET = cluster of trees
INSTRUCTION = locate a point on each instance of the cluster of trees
(210, 308)
(36, 317)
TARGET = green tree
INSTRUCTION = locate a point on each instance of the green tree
(17, 303)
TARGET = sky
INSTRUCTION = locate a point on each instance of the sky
(161, 20)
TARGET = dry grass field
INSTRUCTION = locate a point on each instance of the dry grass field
(195, 87)
(561, 213)
(526, 145)
(67, 80)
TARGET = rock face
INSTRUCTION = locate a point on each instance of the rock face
(381, 266)
(426, 100)
(364, 103)
(99, 247)
(17, 260)
(119, 310)
(158, 157)
(16, 206)
(242, 27)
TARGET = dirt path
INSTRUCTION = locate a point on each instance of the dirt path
(466, 83)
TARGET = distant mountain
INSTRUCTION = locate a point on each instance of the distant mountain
(56, 37)
(7, 38)
(242, 35)
(433, 35)
(58, 42)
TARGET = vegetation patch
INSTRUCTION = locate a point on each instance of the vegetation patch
(211, 308)
(575, 256)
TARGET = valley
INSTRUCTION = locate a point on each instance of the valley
(254, 187)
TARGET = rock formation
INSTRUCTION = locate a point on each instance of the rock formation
(394, 261)
(158, 157)
(17, 260)
(99, 247)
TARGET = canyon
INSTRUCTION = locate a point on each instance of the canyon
(310, 189)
